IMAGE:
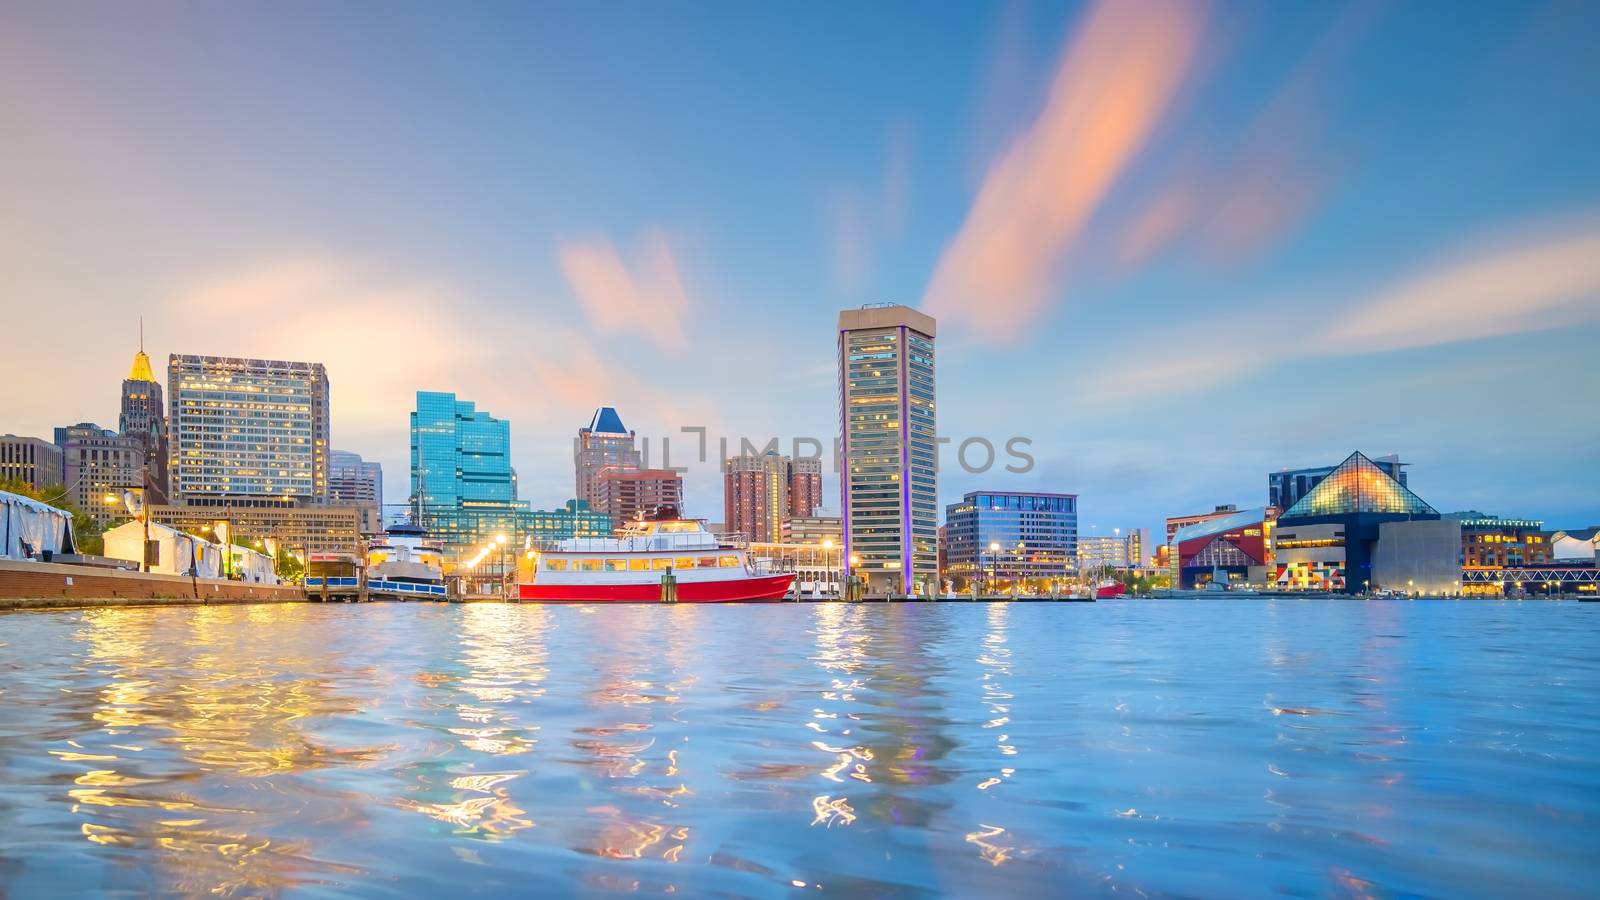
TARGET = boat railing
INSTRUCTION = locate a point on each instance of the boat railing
(692, 541)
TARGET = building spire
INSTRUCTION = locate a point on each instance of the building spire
(141, 363)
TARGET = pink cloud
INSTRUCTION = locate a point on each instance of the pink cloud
(1231, 205)
(1535, 279)
(1120, 72)
(648, 299)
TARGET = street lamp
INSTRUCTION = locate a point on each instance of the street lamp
(994, 550)
(500, 543)
(827, 556)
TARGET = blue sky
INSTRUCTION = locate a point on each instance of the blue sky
(1175, 245)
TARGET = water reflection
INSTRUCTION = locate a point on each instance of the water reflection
(966, 749)
(182, 700)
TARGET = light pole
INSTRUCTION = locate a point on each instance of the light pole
(500, 542)
(827, 557)
(994, 550)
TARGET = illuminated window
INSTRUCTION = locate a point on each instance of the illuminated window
(638, 565)
(616, 565)
(555, 565)
(728, 562)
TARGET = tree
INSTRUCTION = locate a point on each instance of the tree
(86, 532)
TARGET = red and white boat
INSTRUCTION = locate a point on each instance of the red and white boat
(634, 566)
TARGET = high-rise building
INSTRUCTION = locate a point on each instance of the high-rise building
(805, 486)
(353, 480)
(462, 488)
(99, 465)
(247, 432)
(626, 495)
(604, 444)
(143, 417)
(755, 495)
(33, 460)
(1012, 536)
(887, 442)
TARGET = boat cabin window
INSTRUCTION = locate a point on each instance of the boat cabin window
(588, 565)
(660, 562)
(708, 562)
(729, 561)
(683, 562)
(616, 565)
(555, 565)
(638, 565)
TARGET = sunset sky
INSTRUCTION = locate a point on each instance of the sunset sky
(1176, 245)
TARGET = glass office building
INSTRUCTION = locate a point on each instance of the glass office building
(462, 488)
(1010, 536)
(247, 431)
(887, 431)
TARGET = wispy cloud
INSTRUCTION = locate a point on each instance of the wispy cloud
(1534, 281)
(1117, 77)
(648, 299)
(1528, 280)
(1229, 204)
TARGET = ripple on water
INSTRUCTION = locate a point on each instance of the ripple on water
(1193, 747)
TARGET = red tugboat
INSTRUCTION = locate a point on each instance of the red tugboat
(665, 560)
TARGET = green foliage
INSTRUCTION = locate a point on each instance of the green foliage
(86, 532)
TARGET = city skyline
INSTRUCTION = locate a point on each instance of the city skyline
(1271, 264)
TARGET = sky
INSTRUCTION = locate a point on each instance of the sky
(1175, 246)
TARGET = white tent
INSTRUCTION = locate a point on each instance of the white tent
(28, 528)
(179, 553)
(252, 566)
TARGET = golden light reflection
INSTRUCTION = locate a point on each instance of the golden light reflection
(197, 692)
(828, 811)
(992, 852)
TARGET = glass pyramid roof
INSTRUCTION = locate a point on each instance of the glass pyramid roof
(1357, 485)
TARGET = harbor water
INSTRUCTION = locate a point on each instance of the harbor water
(1199, 747)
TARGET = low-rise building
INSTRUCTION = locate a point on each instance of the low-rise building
(1491, 544)
(813, 530)
(1327, 540)
(304, 529)
(34, 461)
(1012, 538)
(1236, 548)
(1176, 522)
(1575, 544)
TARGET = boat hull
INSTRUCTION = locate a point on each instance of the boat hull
(766, 588)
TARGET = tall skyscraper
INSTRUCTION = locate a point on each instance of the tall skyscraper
(247, 431)
(99, 465)
(755, 495)
(144, 418)
(805, 486)
(887, 431)
(353, 481)
(462, 487)
(605, 444)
